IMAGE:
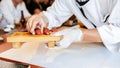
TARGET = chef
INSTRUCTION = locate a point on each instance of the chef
(101, 17)
(11, 10)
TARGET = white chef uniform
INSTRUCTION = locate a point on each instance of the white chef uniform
(11, 14)
(104, 14)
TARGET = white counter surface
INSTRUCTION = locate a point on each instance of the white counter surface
(78, 55)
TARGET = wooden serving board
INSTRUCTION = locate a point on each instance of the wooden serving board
(18, 37)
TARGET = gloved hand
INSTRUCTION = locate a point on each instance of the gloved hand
(35, 21)
(70, 35)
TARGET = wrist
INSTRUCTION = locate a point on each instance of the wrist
(79, 35)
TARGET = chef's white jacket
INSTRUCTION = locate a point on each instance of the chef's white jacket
(11, 14)
(97, 12)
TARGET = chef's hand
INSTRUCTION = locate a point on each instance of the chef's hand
(70, 35)
(35, 21)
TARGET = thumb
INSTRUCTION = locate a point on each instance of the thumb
(65, 42)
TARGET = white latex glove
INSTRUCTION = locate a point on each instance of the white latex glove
(70, 35)
(38, 20)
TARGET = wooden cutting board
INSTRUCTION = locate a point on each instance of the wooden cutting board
(18, 37)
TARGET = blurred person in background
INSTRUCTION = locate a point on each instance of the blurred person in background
(46, 3)
(33, 6)
(4, 64)
(11, 10)
(36, 6)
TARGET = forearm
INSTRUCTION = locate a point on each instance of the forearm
(91, 35)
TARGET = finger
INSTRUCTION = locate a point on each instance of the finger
(64, 42)
(42, 28)
(29, 23)
(27, 26)
(33, 26)
(42, 24)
